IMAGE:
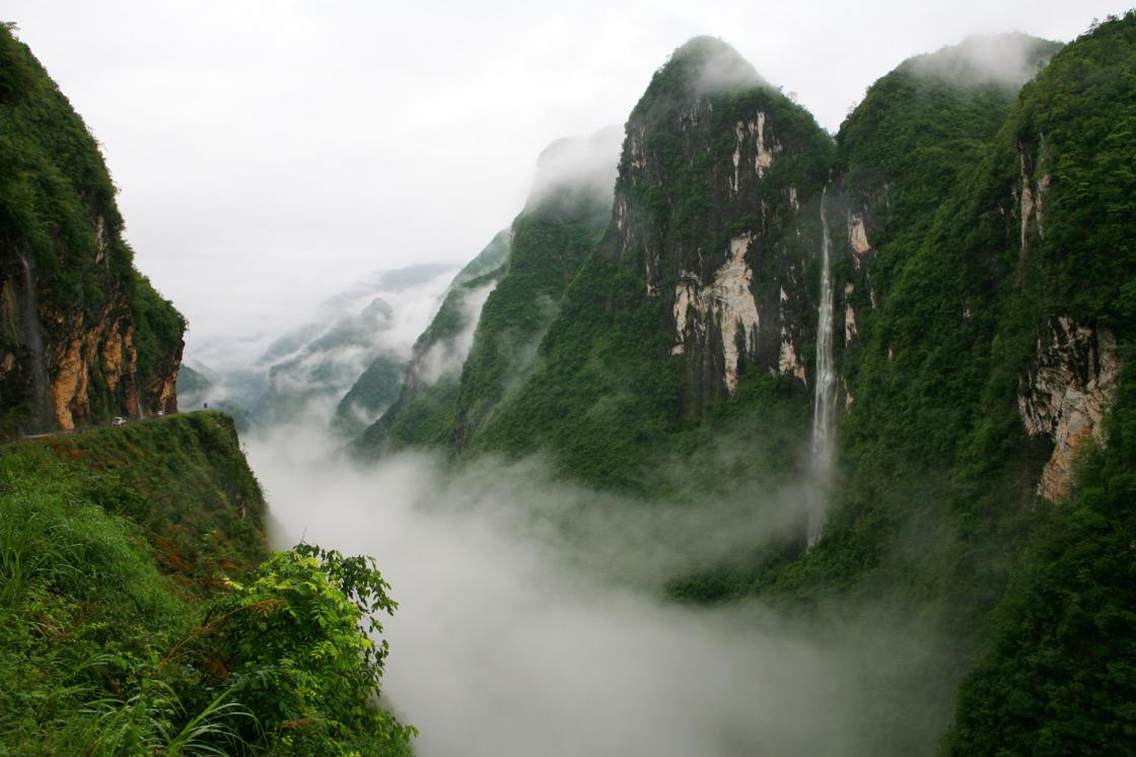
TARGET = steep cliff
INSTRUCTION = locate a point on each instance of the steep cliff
(83, 336)
(987, 268)
(700, 298)
(904, 148)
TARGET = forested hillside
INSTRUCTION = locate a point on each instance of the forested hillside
(83, 335)
(141, 611)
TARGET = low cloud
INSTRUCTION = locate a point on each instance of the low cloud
(530, 620)
(723, 68)
(576, 165)
(448, 355)
(1007, 59)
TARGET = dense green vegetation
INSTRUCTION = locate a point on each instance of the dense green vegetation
(53, 184)
(549, 242)
(158, 329)
(58, 218)
(936, 506)
(1059, 676)
(140, 612)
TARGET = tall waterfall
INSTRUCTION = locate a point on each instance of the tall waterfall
(824, 399)
(33, 340)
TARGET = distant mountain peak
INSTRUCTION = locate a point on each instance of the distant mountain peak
(708, 65)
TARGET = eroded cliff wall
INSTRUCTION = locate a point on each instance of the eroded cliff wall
(83, 336)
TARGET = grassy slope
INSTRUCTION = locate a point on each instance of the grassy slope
(110, 542)
(120, 632)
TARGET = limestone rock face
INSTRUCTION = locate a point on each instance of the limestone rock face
(716, 205)
(70, 367)
(1066, 396)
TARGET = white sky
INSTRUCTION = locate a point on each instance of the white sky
(271, 152)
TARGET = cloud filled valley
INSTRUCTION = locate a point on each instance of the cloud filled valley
(752, 429)
(519, 634)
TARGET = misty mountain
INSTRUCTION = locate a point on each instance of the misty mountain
(975, 211)
(362, 336)
(509, 291)
(311, 369)
(424, 396)
(743, 438)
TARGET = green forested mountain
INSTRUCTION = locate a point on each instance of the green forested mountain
(983, 237)
(141, 612)
(698, 299)
(83, 335)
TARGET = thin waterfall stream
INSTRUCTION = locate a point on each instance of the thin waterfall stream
(824, 394)
(33, 340)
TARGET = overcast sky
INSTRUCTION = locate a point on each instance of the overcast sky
(268, 153)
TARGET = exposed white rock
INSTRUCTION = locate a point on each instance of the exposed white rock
(850, 332)
(1067, 395)
(739, 134)
(1026, 205)
(728, 302)
(686, 292)
(651, 264)
(764, 150)
(788, 362)
(764, 158)
(635, 147)
(1042, 185)
(793, 203)
(857, 235)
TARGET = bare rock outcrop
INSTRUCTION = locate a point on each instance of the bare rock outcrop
(1066, 395)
